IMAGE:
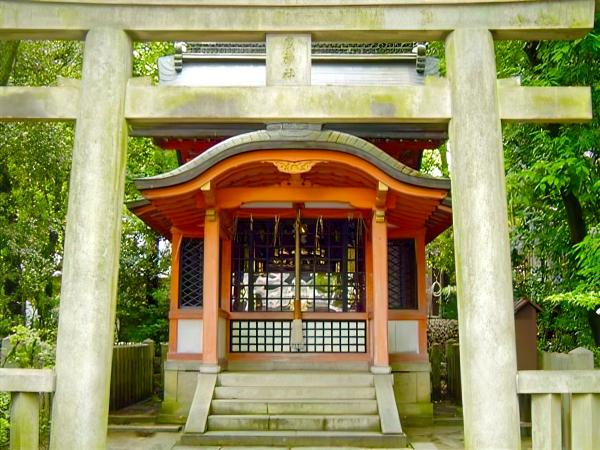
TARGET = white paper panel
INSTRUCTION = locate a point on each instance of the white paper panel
(189, 336)
(403, 336)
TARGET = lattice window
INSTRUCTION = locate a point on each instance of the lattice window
(191, 264)
(402, 274)
(332, 266)
(320, 336)
(335, 336)
(260, 336)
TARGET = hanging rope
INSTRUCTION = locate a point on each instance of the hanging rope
(235, 228)
(318, 232)
(297, 263)
(276, 237)
(436, 289)
(296, 333)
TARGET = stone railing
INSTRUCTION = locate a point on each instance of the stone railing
(26, 385)
(546, 388)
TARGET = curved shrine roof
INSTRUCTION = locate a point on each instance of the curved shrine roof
(293, 138)
(340, 167)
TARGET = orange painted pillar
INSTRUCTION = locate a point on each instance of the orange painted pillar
(174, 302)
(421, 289)
(226, 248)
(380, 293)
(210, 303)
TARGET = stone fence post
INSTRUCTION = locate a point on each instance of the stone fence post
(436, 356)
(577, 359)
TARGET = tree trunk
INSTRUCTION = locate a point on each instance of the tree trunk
(594, 321)
(575, 218)
(577, 231)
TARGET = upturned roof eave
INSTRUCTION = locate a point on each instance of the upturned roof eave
(280, 139)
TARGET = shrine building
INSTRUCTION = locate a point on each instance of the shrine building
(323, 223)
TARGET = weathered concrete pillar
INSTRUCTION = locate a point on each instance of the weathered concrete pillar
(25, 421)
(483, 271)
(91, 253)
(210, 302)
(380, 294)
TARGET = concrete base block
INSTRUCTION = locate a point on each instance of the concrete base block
(414, 411)
(173, 412)
(180, 386)
(412, 390)
(170, 386)
(210, 368)
(405, 387)
(381, 370)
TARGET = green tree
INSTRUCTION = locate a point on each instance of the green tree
(34, 179)
(33, 185)
(553, 181)
(143, 294)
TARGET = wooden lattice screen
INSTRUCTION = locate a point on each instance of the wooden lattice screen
(191, 273)
(402, 274)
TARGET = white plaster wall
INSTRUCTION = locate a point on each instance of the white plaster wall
(403, 336)
(189, 336)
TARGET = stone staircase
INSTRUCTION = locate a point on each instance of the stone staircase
(294, 409)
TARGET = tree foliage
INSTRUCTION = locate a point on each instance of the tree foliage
(143, 294)
(553, 186)
(34, 181)
(553, 182)
(33, 190)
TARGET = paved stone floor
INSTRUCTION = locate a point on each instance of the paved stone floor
(442, 437)
(127, 440)
(424, 439)
(445, 434)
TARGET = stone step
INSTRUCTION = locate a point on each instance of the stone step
(341, 407)
(245, 447)
(145, 428)
(298, 365)
(289, 439)
(295, 378)
(123, 419)
(294, 393)
(294, 422)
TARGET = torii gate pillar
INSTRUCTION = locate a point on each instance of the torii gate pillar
(92, 241)
(483, 270)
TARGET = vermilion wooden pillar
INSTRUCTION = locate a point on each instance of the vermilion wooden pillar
(174, 304)
(210, 304)
(380, 293)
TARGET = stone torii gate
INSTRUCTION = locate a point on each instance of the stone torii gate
(471, 101)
